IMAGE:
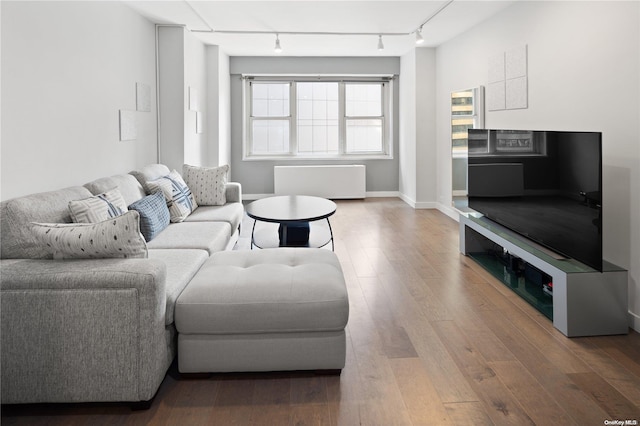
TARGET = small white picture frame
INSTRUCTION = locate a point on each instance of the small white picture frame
(128, 125)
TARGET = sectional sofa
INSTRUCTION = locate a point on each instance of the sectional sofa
(96, 310)
(98, 329)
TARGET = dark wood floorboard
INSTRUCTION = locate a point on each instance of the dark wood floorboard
(432, 339)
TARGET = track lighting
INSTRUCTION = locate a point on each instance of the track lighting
(277, 49)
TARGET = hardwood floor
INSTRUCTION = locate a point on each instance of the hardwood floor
(432, 339)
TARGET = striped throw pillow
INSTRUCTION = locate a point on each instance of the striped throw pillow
(179, 198)
(98, 208)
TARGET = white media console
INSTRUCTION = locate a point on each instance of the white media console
(586, 302)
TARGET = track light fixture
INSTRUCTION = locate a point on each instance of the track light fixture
(419, 39)
(277, 49)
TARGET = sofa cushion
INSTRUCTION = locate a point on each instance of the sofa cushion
(129, 187)
(231, 213)
(208, 184)
(179, 198)
(113, 238)
(209, 236)
(17, 240)
(149, 173)
(98, 208)
(283, 290)
(154, 214)
(181, 265)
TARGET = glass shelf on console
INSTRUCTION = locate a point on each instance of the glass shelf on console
(567, 265)
(518, 282)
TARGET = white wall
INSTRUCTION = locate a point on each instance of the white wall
(218, 106)
(67, 68)
(418, 173)
(583, 74)
(171, 95)
(407, 128)
(224, 116)
(195, 144)
(182, 66)
(425, 89)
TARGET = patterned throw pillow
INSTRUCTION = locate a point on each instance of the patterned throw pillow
(154, 214)
(119, 237)
(178, 195)
(208, 184)
(98, 208)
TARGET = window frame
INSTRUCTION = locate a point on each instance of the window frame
(387, 117)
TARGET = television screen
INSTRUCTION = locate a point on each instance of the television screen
(545, 185)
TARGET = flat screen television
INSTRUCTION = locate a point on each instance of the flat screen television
(544, 185)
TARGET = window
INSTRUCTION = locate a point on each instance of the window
(320, 118)
(270, 112)
(462, 119)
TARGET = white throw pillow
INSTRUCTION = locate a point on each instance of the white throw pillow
(98, 208)
(208, 184)
(179, 198)
(119, 237)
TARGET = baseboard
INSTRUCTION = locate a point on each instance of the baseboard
(382, 194)
(426, 205)
(449, 211)
(634, 321)
(369, 194)
(418, 204)
(407, 200)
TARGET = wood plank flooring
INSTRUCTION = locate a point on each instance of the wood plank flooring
(432, 339)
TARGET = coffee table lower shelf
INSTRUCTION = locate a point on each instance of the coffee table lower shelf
(265, 235)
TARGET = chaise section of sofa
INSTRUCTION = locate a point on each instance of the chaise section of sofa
(84, 330)
(96, 329)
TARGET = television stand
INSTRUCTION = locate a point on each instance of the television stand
(585, 302)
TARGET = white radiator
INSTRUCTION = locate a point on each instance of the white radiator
(322, 181)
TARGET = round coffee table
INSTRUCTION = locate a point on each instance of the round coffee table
(293, 213)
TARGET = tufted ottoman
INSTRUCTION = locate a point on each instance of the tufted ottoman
(264, 310)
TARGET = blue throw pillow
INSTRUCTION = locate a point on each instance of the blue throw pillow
(154, 214)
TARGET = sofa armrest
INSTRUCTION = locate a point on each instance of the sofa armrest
(82, 330)
(234, 192)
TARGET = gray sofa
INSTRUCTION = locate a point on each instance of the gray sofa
(97, 329)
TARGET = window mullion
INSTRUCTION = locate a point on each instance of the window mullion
(384, 111)
(342, 126)
(248, 139)
(293, 118)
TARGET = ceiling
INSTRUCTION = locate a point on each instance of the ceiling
(231, 24)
